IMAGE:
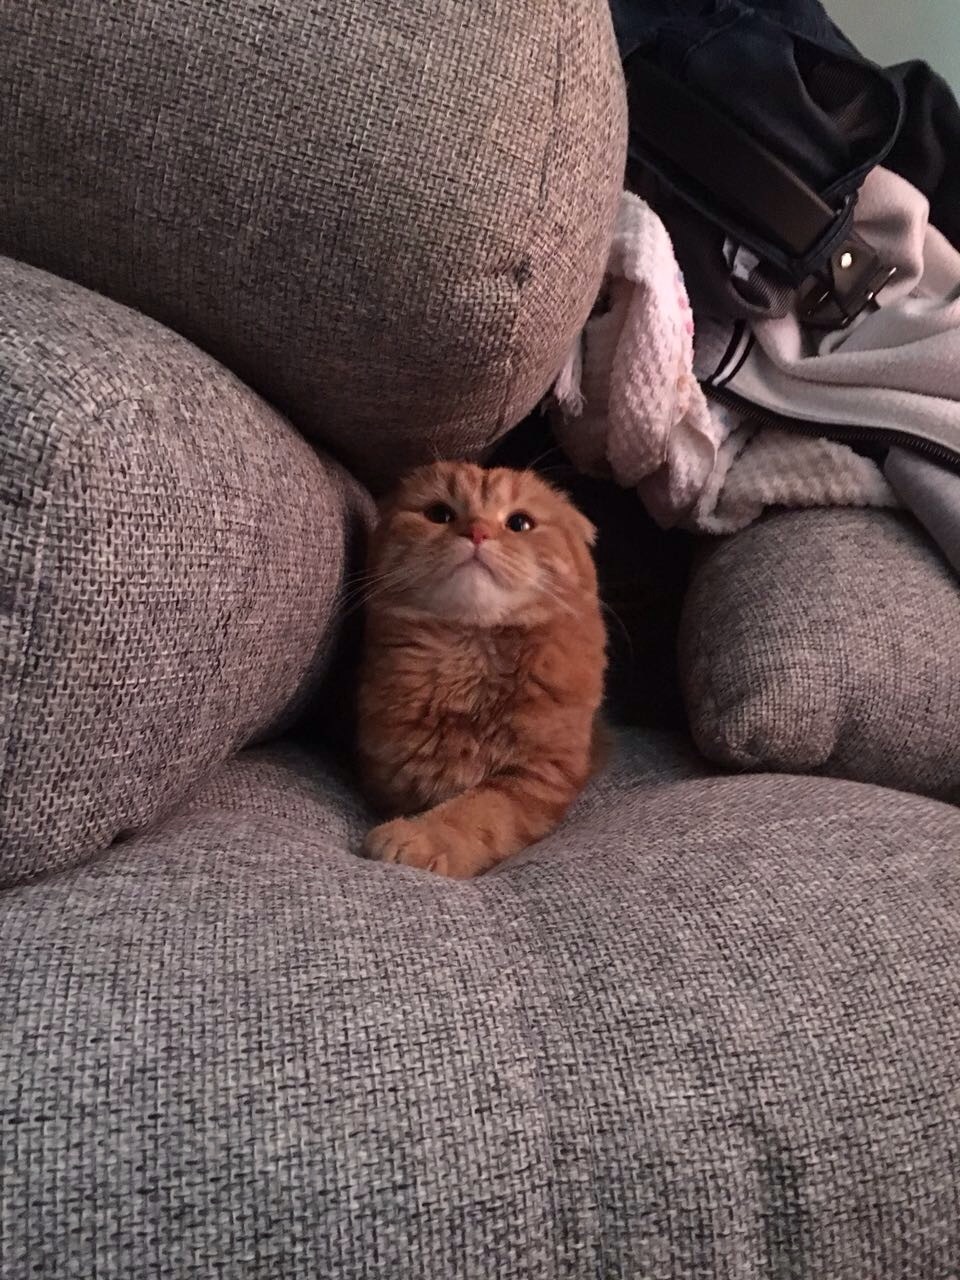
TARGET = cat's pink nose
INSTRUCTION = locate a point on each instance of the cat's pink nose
(478, 533)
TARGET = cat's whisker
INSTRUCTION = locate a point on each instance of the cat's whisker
(621, 624)
(397, 570)
(559, 600)
(380, 581)
(401, 576)
(557, 468)
(362, 590)
(435, 448)
(532, 466)
(535, 576)
(368, 575)
(368, 578)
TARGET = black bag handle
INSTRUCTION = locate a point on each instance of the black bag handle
(716, 153)
(761, 193)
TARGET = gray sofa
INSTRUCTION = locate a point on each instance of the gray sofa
(711, 1027)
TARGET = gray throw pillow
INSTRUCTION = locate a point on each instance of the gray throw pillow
(389, 218)
(172, 556)
(827, 641)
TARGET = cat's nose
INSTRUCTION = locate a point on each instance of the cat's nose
(478, 533)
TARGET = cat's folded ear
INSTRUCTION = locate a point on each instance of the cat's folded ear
(387, 506)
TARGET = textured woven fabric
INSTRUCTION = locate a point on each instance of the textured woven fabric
(709, 1029)
(827, 640)
(630, 406)
(391, 219)
(171, 554)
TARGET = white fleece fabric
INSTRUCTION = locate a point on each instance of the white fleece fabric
(631, 405)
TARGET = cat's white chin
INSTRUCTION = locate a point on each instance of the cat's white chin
(472, 595)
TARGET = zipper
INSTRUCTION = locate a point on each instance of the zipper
(839, 431)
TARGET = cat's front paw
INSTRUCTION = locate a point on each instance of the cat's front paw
(412, 842)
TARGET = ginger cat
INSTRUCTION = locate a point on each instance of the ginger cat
(483, 668)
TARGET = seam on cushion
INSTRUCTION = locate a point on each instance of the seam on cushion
(173, 822)
(550, 147)
(703, 666)
(511, 362)
(720, 737)
(53, 454)
(52, 874)
(509, 927)
(26, 640)
(549, 150)
(701, 674)
(510, 379)
(185, 815)
(545, 952)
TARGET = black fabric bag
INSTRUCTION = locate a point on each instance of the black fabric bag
(752, 127)
(927, 149)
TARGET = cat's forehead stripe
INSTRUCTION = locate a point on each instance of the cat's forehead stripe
(507, 487)
(460, 488)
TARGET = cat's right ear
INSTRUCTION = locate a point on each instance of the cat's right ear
(386, 507)
(397, 497)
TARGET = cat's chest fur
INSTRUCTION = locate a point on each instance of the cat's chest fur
(481, 673)
(451, 707)
(473, 681)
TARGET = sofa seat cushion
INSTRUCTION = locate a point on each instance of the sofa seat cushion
(708, 1028)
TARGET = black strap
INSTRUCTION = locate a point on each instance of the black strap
(757, 189)
(719, 156)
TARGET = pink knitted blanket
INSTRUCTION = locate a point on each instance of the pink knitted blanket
(630, 407)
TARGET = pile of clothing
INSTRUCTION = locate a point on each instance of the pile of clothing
(780, 322)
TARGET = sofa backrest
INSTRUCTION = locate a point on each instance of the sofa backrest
(390, 219)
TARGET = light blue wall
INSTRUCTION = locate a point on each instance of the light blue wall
(893, 30)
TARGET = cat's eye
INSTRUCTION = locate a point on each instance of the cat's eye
(520, 522)
(440, 513)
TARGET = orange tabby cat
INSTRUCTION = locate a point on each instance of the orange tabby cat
(483, 669)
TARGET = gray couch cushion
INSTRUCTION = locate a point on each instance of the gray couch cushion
(827, 641)
(708, 1029)
(171, 557)
(390, 218)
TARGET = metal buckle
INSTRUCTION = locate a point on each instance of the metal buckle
(850, 281)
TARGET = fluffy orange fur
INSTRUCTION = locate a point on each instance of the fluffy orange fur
(483, 667)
